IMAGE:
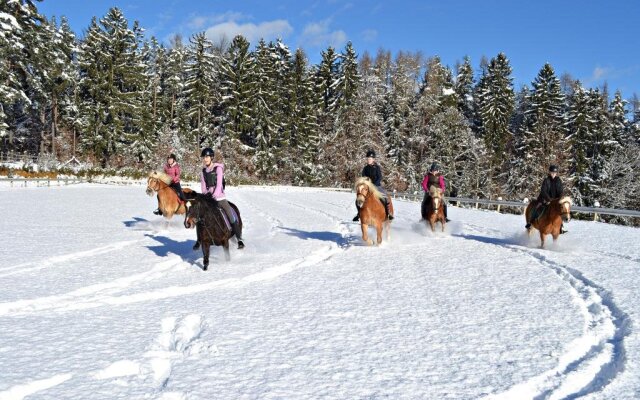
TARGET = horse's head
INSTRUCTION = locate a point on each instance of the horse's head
(565, 208)
(362, 191)
(191, 216)
(152, 185)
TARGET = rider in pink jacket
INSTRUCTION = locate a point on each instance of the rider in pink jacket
(172, 169)
(434, 178)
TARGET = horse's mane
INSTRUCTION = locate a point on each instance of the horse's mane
(565, 199)
(435, 191)
(161, 176)
(372, 188)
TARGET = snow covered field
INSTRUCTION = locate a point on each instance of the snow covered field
(100, 299)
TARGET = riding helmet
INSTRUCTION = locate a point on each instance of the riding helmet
(371, 154)
(434, 167)
(172, 156)
(207, 151)
(553, 168)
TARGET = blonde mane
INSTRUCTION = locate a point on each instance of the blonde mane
(161, 176)
(372, 188)
(435, 191)
(566, 199)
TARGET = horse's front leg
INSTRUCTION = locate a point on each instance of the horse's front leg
(432, 223)
(379, 233)
(205, 255)
(225, 246)
(365, 233)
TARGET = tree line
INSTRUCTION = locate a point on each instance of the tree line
(115, 98)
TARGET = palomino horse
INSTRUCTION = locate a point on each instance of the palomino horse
(371, 210)
(432, 209)
(212, 226)
(551, 219)
(168, 201)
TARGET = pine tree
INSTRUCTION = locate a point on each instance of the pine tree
(237, 88)
(618, 120)
(525, 168)
(200, 92)
(303, 122)
(110, 82)
(547, 119)
(496, 105)
(464, 90)
(264, 102)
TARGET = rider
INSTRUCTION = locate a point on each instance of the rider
(172, 169)
(373, 171)
(212, 184)
(434, 178)
(551, 189)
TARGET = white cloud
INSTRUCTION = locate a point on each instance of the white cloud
(200, 21)
(369, 35)
(252, 32)
(600, 73)
(319, 34)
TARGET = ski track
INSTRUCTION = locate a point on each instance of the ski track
(66, 258)
(595, 358)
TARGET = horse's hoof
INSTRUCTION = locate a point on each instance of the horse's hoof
(206, 267)
(240, 245)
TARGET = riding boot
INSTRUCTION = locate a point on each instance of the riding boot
(237, 231)
(157, 211)
(356, 218)
(386, 210)
(562, 230)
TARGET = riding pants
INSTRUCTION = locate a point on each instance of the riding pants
(237, 230)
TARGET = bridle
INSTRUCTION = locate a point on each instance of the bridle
(362, 192)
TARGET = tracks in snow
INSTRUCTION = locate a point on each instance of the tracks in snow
(591, 361)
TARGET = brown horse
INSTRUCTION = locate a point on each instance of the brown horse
(212, 226)
(371, 210)
(432, 208)
(168, 201)
(550, 221)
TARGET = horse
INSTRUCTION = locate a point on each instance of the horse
(371, 210)
(551, 218)
(212, 225)
(433, 211)
(168, 201)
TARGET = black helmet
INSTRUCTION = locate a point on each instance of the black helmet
(207, 151)
(172, 156)
(434, 167)
(371, 153)
(553, 168)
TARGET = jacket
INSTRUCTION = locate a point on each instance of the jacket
(217, 190)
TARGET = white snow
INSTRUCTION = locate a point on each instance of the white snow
(101, 299)
(448, 92)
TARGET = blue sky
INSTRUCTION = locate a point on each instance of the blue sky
(593, 40)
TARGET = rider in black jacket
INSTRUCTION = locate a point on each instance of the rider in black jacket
(372, 171)
(551, 189)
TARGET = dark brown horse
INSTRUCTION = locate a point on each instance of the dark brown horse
(371, 210)
(212, 225)
(432, 208)
(550, 219)
(168, 201)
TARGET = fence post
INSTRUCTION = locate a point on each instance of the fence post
(499, 199)
(48, 182)
(596, 217)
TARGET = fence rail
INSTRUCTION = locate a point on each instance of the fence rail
(44, 181)
(510, 203)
